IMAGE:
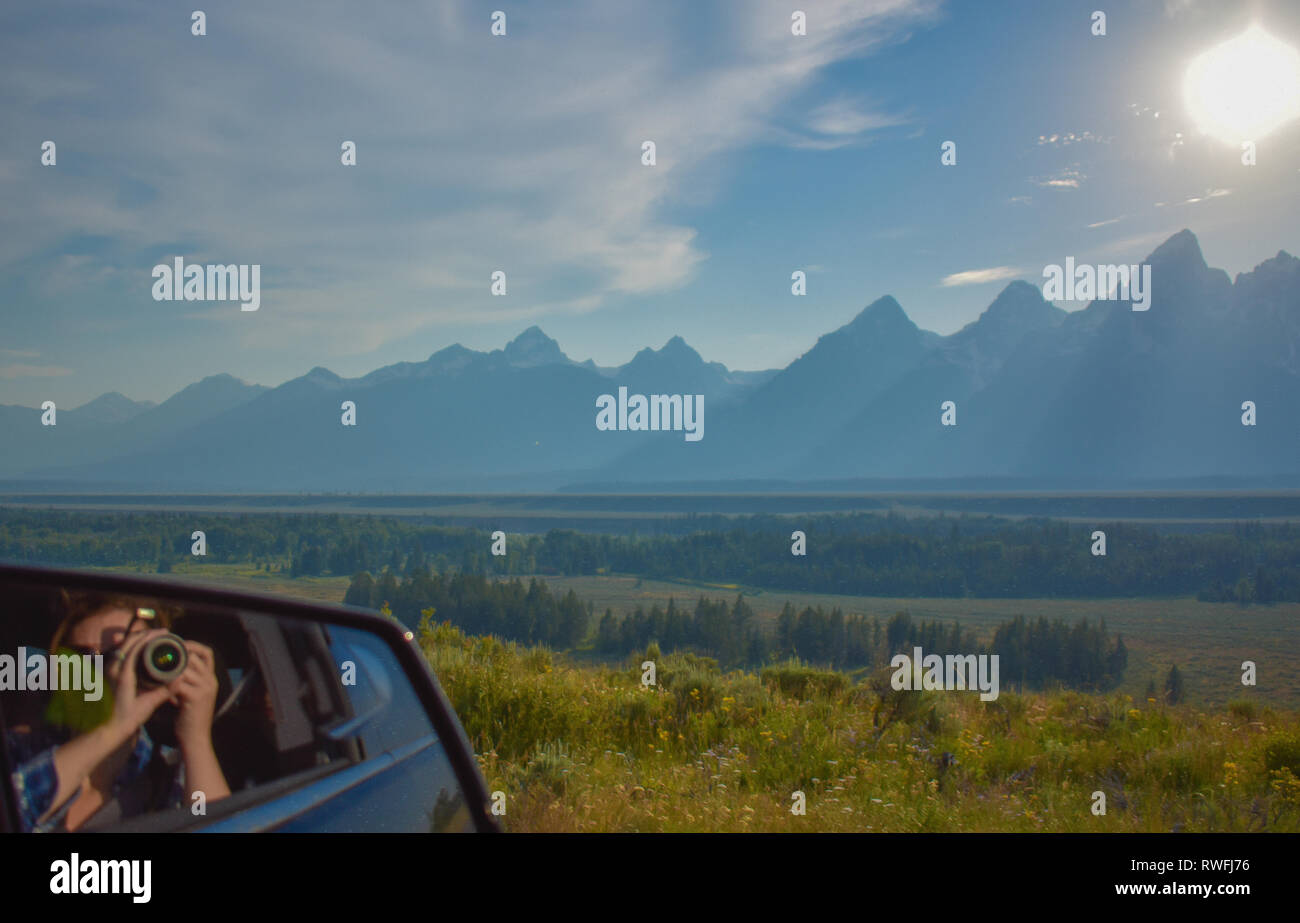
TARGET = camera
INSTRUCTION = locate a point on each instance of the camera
(162, 660)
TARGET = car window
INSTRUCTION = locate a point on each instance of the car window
(314, 726)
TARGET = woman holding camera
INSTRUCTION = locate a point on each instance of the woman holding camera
(106, 766)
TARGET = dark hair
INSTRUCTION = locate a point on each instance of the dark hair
(78, 605)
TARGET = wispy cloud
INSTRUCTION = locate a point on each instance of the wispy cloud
(1192, 200)
(474, 153)
(981, 276)
(1068, 178)
(1065, 139)
(1102, 224)
(842, 121)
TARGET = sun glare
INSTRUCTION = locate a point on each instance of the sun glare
(1244, 88)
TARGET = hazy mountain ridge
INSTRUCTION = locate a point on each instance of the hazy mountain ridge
(1101, 394)
(505, 407)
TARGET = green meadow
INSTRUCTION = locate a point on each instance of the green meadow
(578, 744)
(1207, 641)
(580, 747)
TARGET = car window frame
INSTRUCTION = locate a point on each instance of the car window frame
(400, 641)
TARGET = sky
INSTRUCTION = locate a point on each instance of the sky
(523, 153)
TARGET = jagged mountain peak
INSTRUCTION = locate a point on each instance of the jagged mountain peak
(113, 407)
(321, 375)
(534, 347)
(884, 310)
(675, 349)
(1182, 250)
(1018, 308)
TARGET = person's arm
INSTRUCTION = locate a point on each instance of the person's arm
(75, 760)
(196, 694)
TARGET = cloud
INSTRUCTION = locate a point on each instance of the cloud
(843, 121)
(981, 276)
(11, 372)
(1208, 194)
(1102, 224)
(20, 353)
(474, 153)
(1192, 200)
(1067, 138)
(1069, 178)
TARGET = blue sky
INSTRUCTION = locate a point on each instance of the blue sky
(522, 153)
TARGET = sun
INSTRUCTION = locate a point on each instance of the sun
(1244, 88)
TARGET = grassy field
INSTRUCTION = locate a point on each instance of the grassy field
(583, 746)
(246, 577)
(588, 748)
(1208, 641)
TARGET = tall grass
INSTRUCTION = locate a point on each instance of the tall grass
(580, 748)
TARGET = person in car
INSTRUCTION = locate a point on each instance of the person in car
(85, 766)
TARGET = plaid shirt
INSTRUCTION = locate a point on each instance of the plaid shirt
(36, 780)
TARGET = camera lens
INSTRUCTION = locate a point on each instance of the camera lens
(163, 659)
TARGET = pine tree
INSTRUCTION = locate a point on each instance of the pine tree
(607, 634)
(785, 625)
(1118, 660)
(1174, 686)
(360, 590)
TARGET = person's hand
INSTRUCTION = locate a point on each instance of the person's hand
(131, 705)
(195, 691)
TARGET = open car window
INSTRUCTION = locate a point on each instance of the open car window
(303, 720)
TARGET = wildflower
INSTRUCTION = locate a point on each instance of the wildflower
(1286, 785)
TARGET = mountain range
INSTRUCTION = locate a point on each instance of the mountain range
(1102, 396)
